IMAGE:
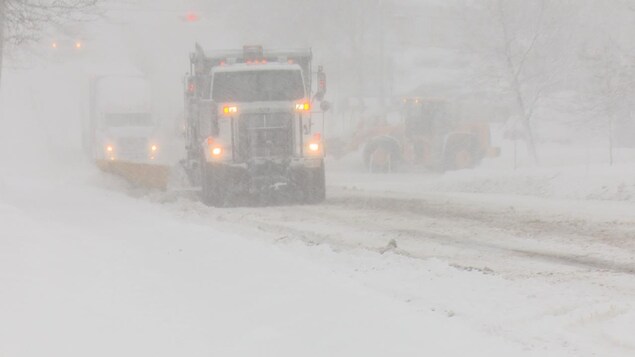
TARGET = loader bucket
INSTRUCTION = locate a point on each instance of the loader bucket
(139, 174)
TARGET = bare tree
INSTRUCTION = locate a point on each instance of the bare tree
(518, 50)
(608, 70)
(23, 21)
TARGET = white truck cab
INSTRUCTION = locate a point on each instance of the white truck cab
(123, 127)
(250, 130)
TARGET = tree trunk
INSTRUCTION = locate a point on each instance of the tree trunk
(531, 143)
(611, 140)
(3, 7)
(514, 70)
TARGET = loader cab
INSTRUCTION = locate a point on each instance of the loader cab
(427, 118)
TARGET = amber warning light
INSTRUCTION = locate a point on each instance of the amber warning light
(229, 110)
(303, 107)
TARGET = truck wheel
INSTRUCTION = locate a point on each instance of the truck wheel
(315, 185)
(212, 193)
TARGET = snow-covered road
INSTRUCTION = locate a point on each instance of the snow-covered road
(544, 280)
(91, 271)
(89, 266)
(390, 265)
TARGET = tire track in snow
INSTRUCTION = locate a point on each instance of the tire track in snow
(420, 225)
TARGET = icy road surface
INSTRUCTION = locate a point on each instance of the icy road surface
(90, 267)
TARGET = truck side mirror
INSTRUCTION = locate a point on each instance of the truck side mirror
(325, 106)
(321, 89)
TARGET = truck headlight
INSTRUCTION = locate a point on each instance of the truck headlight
(303, 107)
(314, 146)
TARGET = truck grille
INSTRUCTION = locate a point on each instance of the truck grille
(266, 135)
(132, 148)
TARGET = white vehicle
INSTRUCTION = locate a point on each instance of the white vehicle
(249, 125)
(121, 132)
(121, 125)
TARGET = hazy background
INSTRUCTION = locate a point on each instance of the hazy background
(562, 69)
(521, 254)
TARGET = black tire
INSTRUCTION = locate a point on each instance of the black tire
(314, 185)
(212, 185)
(459, 157)
(386, 148)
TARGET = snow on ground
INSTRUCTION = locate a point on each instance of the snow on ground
(88, 271)
(569, 181)
(555, 305)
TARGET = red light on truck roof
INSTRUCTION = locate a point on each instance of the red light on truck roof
(191, 16)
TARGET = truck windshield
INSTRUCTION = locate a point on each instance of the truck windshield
(127, 119)
(255, 86)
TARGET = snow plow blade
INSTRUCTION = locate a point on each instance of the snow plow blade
(139, 174)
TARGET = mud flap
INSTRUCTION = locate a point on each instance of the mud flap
(139, 174)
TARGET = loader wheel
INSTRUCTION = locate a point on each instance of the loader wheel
(380, 160)
(381, 157)
(459, 159)
(315, 185)
(463, 160)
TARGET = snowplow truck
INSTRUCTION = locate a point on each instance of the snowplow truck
(121, 134)
(250, 135)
